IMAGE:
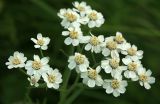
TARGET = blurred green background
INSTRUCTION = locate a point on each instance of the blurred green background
(138, 20)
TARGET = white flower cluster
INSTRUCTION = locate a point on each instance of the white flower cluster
(120, 59)
(72, 19)
(38, 67)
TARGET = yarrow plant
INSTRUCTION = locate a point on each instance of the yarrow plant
(121, 61)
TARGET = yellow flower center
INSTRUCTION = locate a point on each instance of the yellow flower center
(16, 61)
(94, 41)
(51, 78)
(74, 34)
(115, 84)
(36, 65)
(114, 63)
(71, 17)
(79, 59)
(132, 66)
(112, 45)
(119, 39)
(40, 42)
(131, 51)
(93, 16)
(143, 77)
(92, 74)
(80, 8)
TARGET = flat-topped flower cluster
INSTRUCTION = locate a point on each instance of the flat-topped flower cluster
(121, 60)
(38, 67)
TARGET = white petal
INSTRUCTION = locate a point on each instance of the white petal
(68, 41)
(106, 52)
(147, 86)
(44, 60)
(75, 42)
(91, 24)
(82, 68)
(116, 93)
(88, 47)
(91, 83)
(65, 33)
(109, 90)
(72, 65)
(39, 36)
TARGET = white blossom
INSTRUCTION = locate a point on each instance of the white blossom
(53, 78)
(34, 80)
(145, 78)
(95, 18)
(79, 62)
(132, 52)
(81, 7)
(115, 86)
(94, 43)
(69, 18)
(16, 61)
(132, 66)
(112, 65)
(75, 36)
(41, 42)
(92, 78)
(37, 66)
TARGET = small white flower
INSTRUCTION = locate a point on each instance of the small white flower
(95, 19)
(92, 78)
(75, 36)
(112, 65)
(34, 80)
(41, 42)
(37, 66)
(94, 43)
(116, 86)
(133, 52)
(133, 66)
(145, 78)
(110, 46)
(69, 18)
(81, 7)
(16, 61)
(78, 61)
(53, 78)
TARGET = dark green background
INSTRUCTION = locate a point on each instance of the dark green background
(138, 20)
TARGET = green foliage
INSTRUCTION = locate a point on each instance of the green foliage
(138, 20)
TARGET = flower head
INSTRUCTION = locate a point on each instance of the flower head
(78, 61)
(95, 18)
(116, 86)
(94, 43)
(132, 67)
(34, 80)
(37, 66)
(91, 77)
(81, 7)
(145, 78)
(112, 65)
(133, 52)
(75, 36)
(70, 18)
(16, 61)
(53, 78)
(41, 42)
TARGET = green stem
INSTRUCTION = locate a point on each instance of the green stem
(41, 52)
(63, 91)
(74, 96)
(74, 85)
(21, 70)
(93, 57)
